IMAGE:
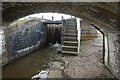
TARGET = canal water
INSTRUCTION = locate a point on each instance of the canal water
(28, 66)
(32, 64)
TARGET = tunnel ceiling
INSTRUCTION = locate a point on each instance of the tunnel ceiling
(104, 15)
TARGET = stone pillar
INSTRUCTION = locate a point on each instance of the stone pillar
(114, 54)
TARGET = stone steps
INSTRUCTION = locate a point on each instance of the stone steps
(70, 43)
(71, 27)
(71, 31)
(70, 35)
(70, 52)
(69, 40)
(69, 48)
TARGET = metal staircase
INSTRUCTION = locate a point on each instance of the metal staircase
(70, 44)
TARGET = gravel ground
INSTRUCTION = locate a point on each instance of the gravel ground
(88, 64)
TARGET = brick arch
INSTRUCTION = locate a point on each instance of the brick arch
(103, 15)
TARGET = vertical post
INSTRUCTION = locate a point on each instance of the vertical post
(62, 17)
(79, 33)
(106, 53)
(42, 17)
(52, 18)
(103, 48)
(62, 32)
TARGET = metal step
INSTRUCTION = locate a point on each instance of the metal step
(71, 31)
(70, 43)
(70, 39)
(71, 27)
(70, 35)
(75, 29)
(72, 24)
(70, 52)
(69, 48)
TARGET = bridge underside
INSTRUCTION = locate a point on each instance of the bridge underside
(105, 16)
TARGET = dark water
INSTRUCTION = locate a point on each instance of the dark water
(29, 65)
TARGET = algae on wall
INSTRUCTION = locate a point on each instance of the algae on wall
(23, 37)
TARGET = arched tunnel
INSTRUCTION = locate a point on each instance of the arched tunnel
(105, 16)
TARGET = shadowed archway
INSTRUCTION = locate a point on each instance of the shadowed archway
(103, 15)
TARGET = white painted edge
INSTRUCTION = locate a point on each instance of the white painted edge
(79, 32)
(60, 0)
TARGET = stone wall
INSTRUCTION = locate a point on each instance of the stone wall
(23, 37)
(114, 54)
(4, 58)
(88, 32)
(105, 15)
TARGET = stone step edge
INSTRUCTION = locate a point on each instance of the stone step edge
(70, 42)
(69, 52)
(63, 46)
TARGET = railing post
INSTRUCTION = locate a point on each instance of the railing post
(79, 33)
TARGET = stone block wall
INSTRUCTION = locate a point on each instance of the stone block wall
(24, 37)
(88, 32)
(114, 54)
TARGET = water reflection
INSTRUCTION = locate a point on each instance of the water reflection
(29, 65)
